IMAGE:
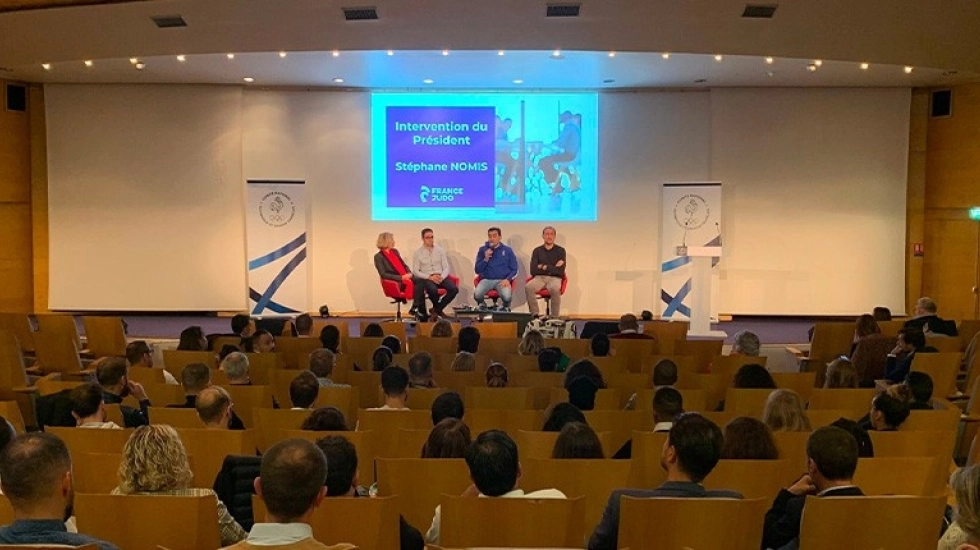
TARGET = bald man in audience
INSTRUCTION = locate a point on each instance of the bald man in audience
(235, 366)
(139, 354)
(629, 329)
(214, 408)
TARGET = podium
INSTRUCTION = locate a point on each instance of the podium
(701, 257)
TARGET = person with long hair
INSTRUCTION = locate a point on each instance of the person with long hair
(450, 438)
(890, 408)
(577, 440)
(784, 412)
(154, 462)
(531, 344)
(748, 439)
(841, 374)
(496, 375)
(192, 339)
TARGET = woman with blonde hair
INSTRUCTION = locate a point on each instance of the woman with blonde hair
(442, 329)
(841, 374)
(154, 462)
(784, 412)
(531, 344)
(463, 362)
(965, 529)
(392, 267)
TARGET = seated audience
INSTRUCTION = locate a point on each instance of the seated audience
(139, 354)
(303, 325)
(583, 380)
(496, 375)
(531, 344)
(394, 384)
(692, 450)
(381, 359)
(36, 476)
(242, 326)
(193, 378)
(881, 313)
(303, 390)
(450, 438)
(629, 329)
(599, 345)
(291, 483)
(447, 405)
(920, 388)
(840, 374)
(667, 404)
(548, 360)
(899, 361)
(746, 343)
(495, 470)
(235, 366)
(559, 414)
(154, 462)
(927, 321)
(889, 409)
(864, 326)
(664, 374)
(469, 339)
(420, 370)
(870, 357)
(577, 440)
(325, 419)
(964, 533)
(7, 434)
(112, 374)
(88, 408)
(322, 363)
(865, 446)
(832, 457)
(441, 329)
(261, 341)
(393, 343)
(751, 376)
(784, 412)
(213, 407)
(748, 439)
(463, 362)
(192, 339)
(330, 338)
(225, 351)
(373, 330)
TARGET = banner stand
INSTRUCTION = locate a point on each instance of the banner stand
(276, 229)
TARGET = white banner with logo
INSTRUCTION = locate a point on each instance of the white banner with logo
(691, 217)
(276, 227)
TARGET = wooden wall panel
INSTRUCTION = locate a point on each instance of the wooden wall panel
(16, 246)
(39, 196)
(915, 198)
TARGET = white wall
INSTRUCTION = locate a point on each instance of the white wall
(772, 149)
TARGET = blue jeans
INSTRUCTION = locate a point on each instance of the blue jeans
(485, 285)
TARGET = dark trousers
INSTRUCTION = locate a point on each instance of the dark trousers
(425, 287)
(547, 165)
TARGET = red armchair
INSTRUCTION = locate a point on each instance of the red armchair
(492, 293)
(545, 295)
(393, 290)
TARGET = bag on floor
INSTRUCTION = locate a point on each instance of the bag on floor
(552, 328)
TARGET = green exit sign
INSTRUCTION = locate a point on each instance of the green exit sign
(975, 213)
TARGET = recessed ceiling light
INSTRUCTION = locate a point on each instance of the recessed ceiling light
(249, 79)
(336, 53)
(140, 66)
(133, 60)
(181, 58)
(445, 53)
(338, 80)
(818, 62)
(282, 55)
(46, 66)
(612, 54)
(500, 53)
(230, 56)
(391, 53)
(908, 69)
(811, 67)
(556, 53)
(769, 60)
(864, 66)
(428, 81)
(518, 81)
(718, 58)
(665, 55)
(89, 63)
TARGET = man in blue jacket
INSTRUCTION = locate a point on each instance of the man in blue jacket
(496, 265)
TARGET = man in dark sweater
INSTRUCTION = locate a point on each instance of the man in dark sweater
(832, 457)
(113, 375)
(547, 270)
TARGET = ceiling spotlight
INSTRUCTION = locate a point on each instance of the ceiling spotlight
(445, 53)
(181, 58)
(665, 55)
(133, 60)
(282, 55)
(500, 53)
(718, 58)
(811, 67)
(338, 80)
(556, 54)
(336, 53)
(140, 66)
(89, 63)
(818, 62)
(518, 81)
(612, 54)
(391, 53)
(428, 81)
(230, 56)
(46, 66)
(769, 61)
(864, 66)
(249, 79)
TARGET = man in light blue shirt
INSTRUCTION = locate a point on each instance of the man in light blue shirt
(430, 267)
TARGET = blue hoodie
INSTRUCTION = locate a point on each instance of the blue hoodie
(502, 264)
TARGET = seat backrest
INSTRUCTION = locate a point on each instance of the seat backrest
(269, 421)
(419, 482)
(164, 394)
(13, 373)
(498, 398)
(363, 443)
(56, 352)
(792, 446)
(54, 323)
(434, 346)
(667, 332)
(176, 417)
(90, 441)
(459, 381)
(261, 365)
(945, 344)
(574, 348)
(825, 417)
(11, 411)
(368, 386)
(891, 328)
(175, 361)
(619, 424)
(800, 382)
(247, 398)
(606, 399)
(368, 523)
(498, 330)
(343, 326)
(19, 324)
(686, 365)
(96, 473)
(144, 521)
(934, 419)
(539, 445)
(210, 447)
(714, 386)
(753, 478)
(519, 363)
(645, 469)
(942, 368)
(908, 475)
(422, 398)
(914, 443)
(693, 523)
(593, 479)
(410, 442)
(900, 522)
(6, 511)
(48, 386)
(104, 336)
(636, 352)
(728, 365)
(694, 400)
(508, 420)
(386, 423)
(857, 400)
(703, 351)
(830, 341)
(746, 402)
(296, 351)
(515, 522)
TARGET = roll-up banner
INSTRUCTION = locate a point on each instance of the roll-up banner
(276, 228)
(691, 217)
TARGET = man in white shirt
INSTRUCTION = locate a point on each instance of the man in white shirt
(394, 384)
(430, 267)
(495, 471)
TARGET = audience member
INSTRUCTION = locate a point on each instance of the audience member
(193, 378)
(463, 362)
(291, 483)
(325, 419)
(303, 390)
(469, 339)
(303, 325)
(441, 329)
(496, 375)
(235, 367)
(548, 360)
(599, 345)
(447, 405)
(889, 409)
(870, 353)
(754, 376)
(227, 350)
(832, 457)
(667, 404)
(899, 362)
(420, 370)
(746, 343)
(139, 354)
(748, 439)
(154, 462)
(866, 325)
(577, 440)
(927, 321)
(213, 407)
(330, 338)
(322, 363)
(841, 374)
(784, 412)
(692, 450)
(629, 328)
(373, 330)
(261, 341)
(394, 384)
(664, 374)
(393, 343)
(531, 344)
(865, 446)
(7, 434)
(559, 414)
(964, 533)
(192, 339)
(920, 388)
(495, 469)
(450, 438)
(381, 359)
(881, 313)
(112, 374)
(242, 326)
(36, 476)
(88, 408)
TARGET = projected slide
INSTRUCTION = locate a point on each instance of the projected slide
(484, 156)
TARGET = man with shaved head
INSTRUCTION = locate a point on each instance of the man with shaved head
(214, 408)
